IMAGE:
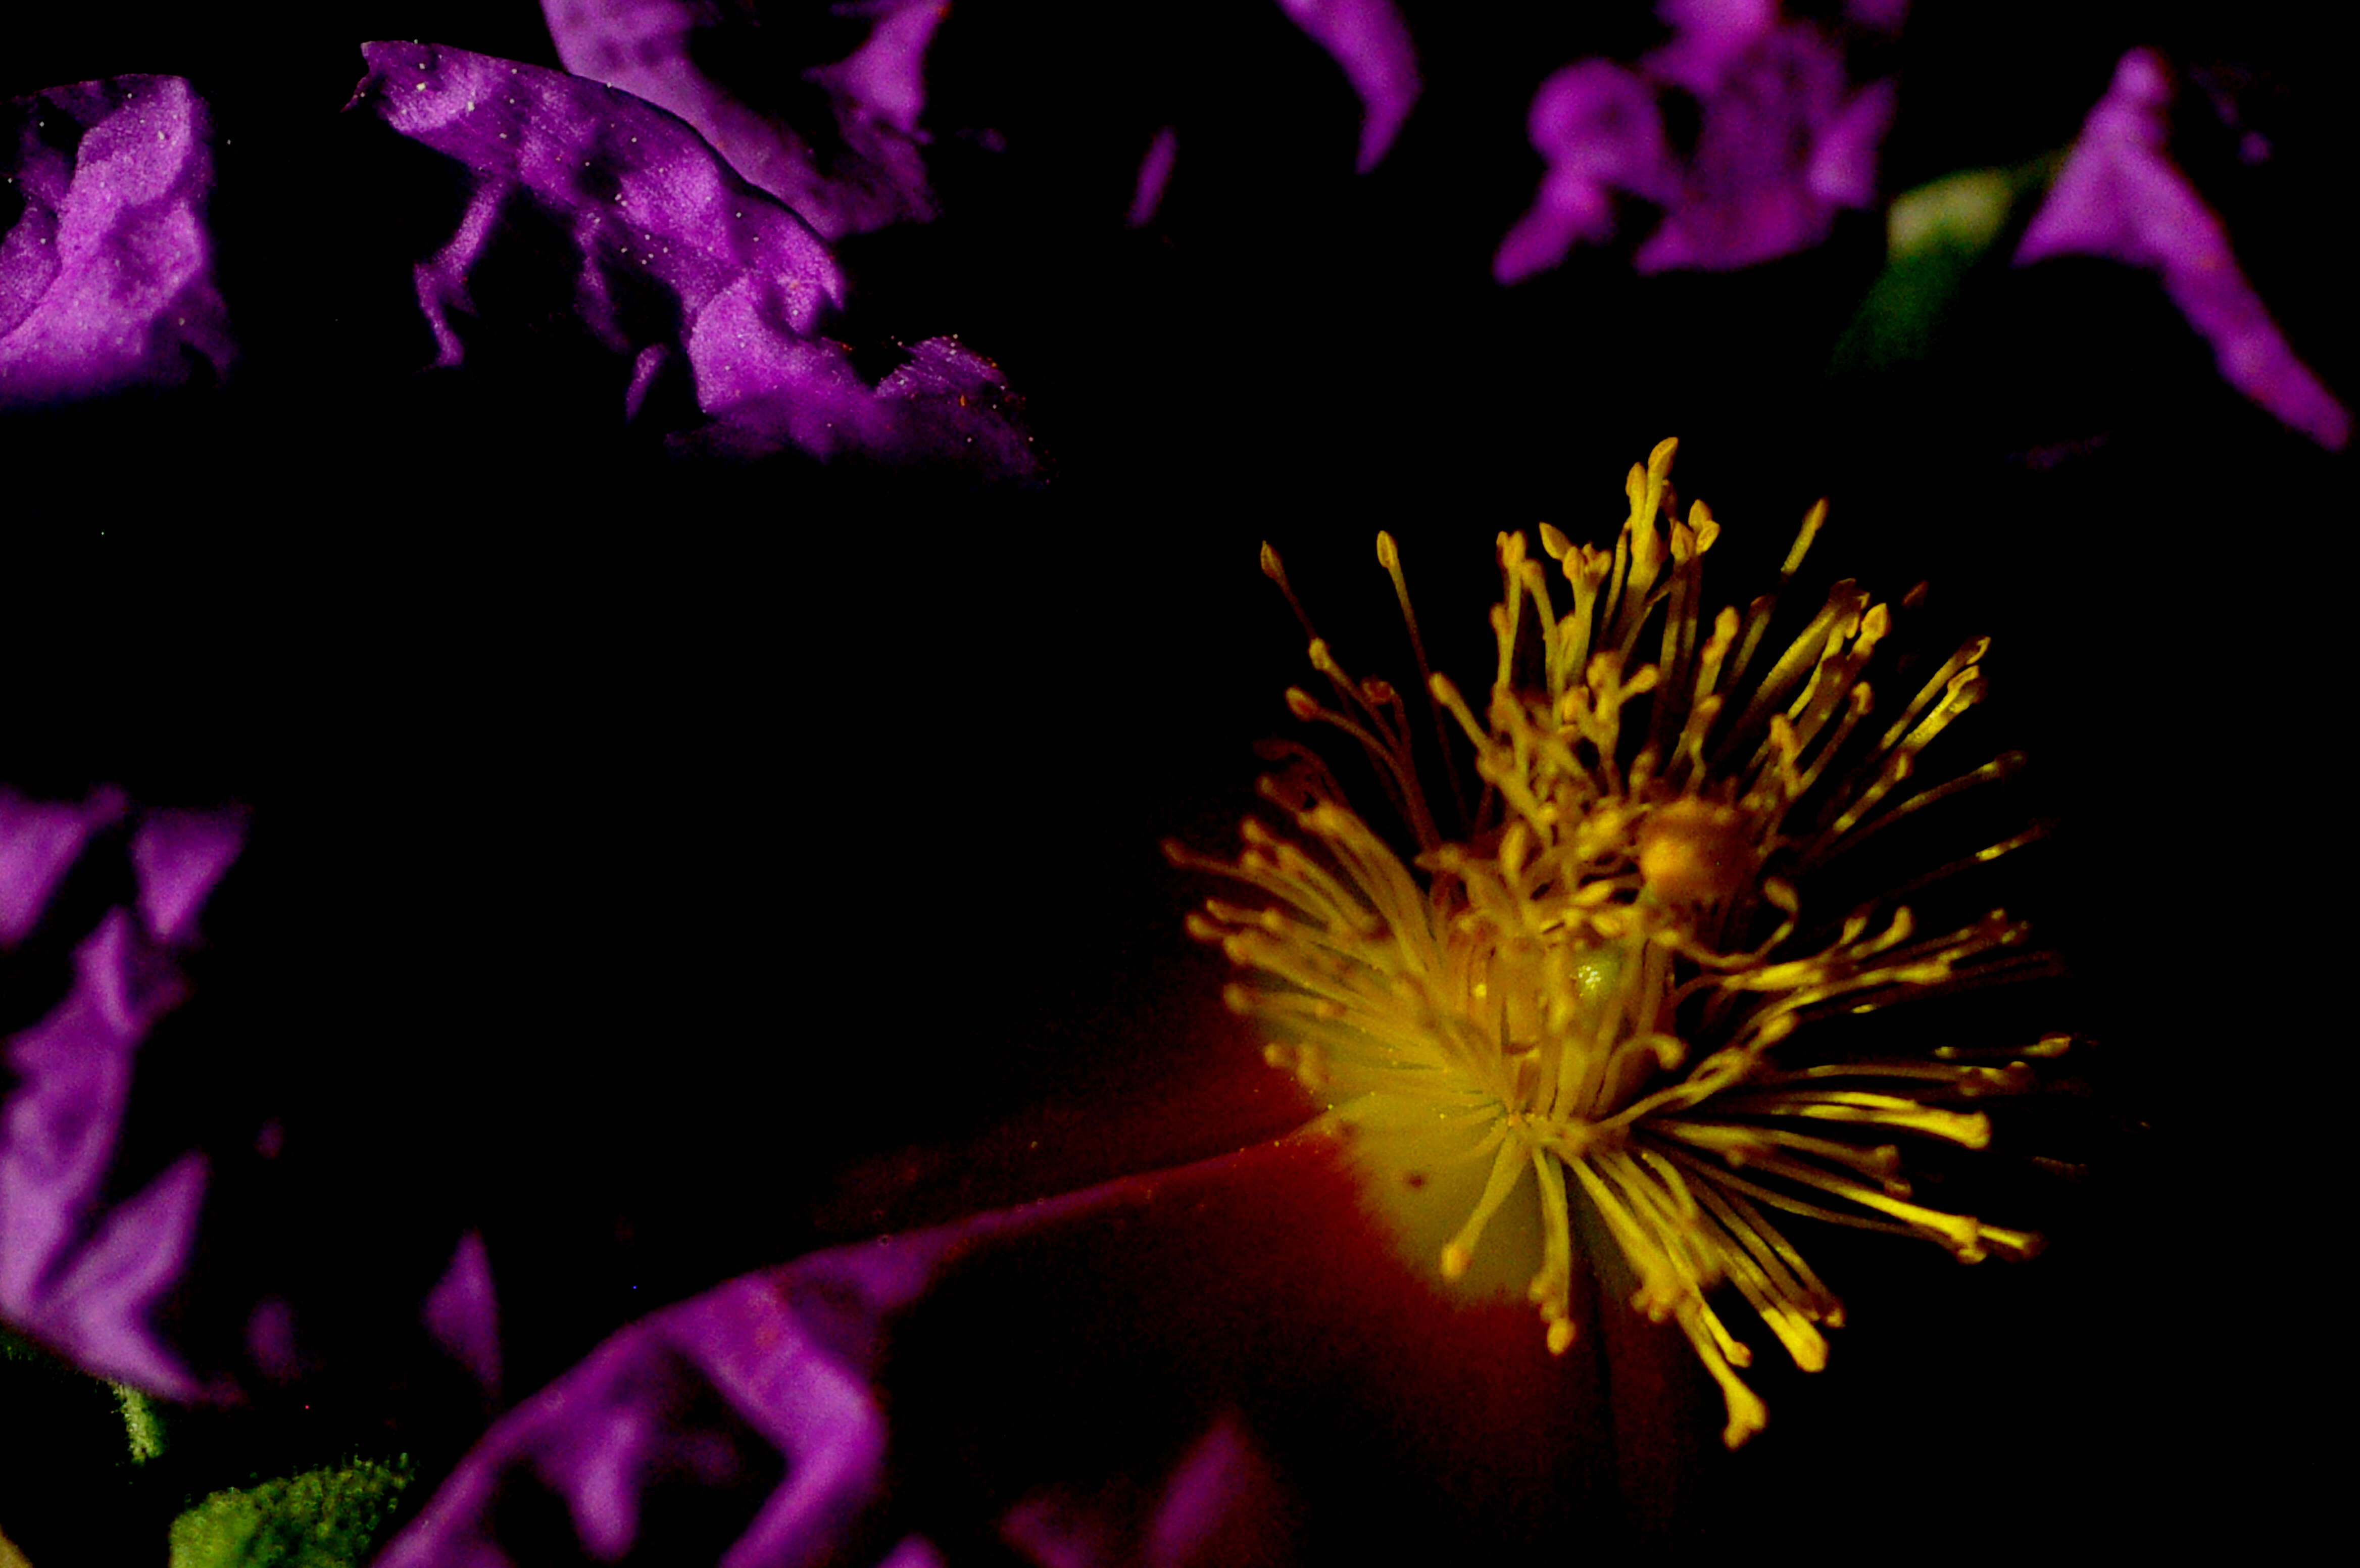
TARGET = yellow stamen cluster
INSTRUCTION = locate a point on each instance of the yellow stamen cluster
(1590, 988)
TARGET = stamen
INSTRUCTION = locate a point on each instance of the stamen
(1602, 978)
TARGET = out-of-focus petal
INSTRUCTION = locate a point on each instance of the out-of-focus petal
(660, 250)
(1570, 208)
(1843, 168)
(179, 856)
(1154, 174)
(1782, 143)
(98, 1314)
(1372, 43)
(1597, 119)
(80, 1278)
(75, 1278)
(692, 1396)
(461, 1314)
(1600, 128)
(871, 174)
(2120, 196)
(1752, 187)
(106, 269)
(1710, 40)
(38, 839)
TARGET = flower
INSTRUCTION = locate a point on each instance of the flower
(105, 267)
(2120, 196)
(1784, 142)
(1589, 996)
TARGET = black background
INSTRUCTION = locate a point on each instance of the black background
(649, 860)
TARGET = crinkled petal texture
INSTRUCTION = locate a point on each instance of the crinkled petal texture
(1221, 1364)
(859, 170)
(1782, 143)
(2121, 197)
(599, 210)
(105, 263)
(77, 1274)
(1372, 43)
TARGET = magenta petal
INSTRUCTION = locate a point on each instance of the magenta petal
(875, 176)
(1154, 173)
(1372, 43)
(2120, 196)
(38, 839)
(1600, 120)
(57, 1130)
(106, 275)
(780, 1356)
(98, 1314)
(1843, 169)
(179, 856)
(1710, 38)
(1570, 208)
(463, 1314)
(661, 247)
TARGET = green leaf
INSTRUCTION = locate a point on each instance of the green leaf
(1934, 237)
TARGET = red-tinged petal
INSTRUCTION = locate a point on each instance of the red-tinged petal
(106, 271)
(1169, 1369)
(2120, 196)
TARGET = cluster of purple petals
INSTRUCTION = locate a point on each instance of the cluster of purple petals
(1784, 141)
(79, 1275)
(766, 1401)
(1372, 44)
(105, 264)
(2121, 197)
(873, 175)
(866, 170)
(671, 261)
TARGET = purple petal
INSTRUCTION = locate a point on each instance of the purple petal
(1370, 41)
(57, 1130)
(1154, 173)
(1570, 208)
(1842, 170)
(1710, 38)
(1222, 1504)
(106, 275)
(2120, 196)
(463, 1314)
(1782, 144)
(179, 856)
(1600, 120)
(668, 251)
(1598, 126)
(783, 1356)
(38, 839)
(875, 178)
(1752, 187)
(98, 1315)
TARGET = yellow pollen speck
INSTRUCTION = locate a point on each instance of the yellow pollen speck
(1577, 1001)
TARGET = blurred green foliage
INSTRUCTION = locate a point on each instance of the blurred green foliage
(321, 1519)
